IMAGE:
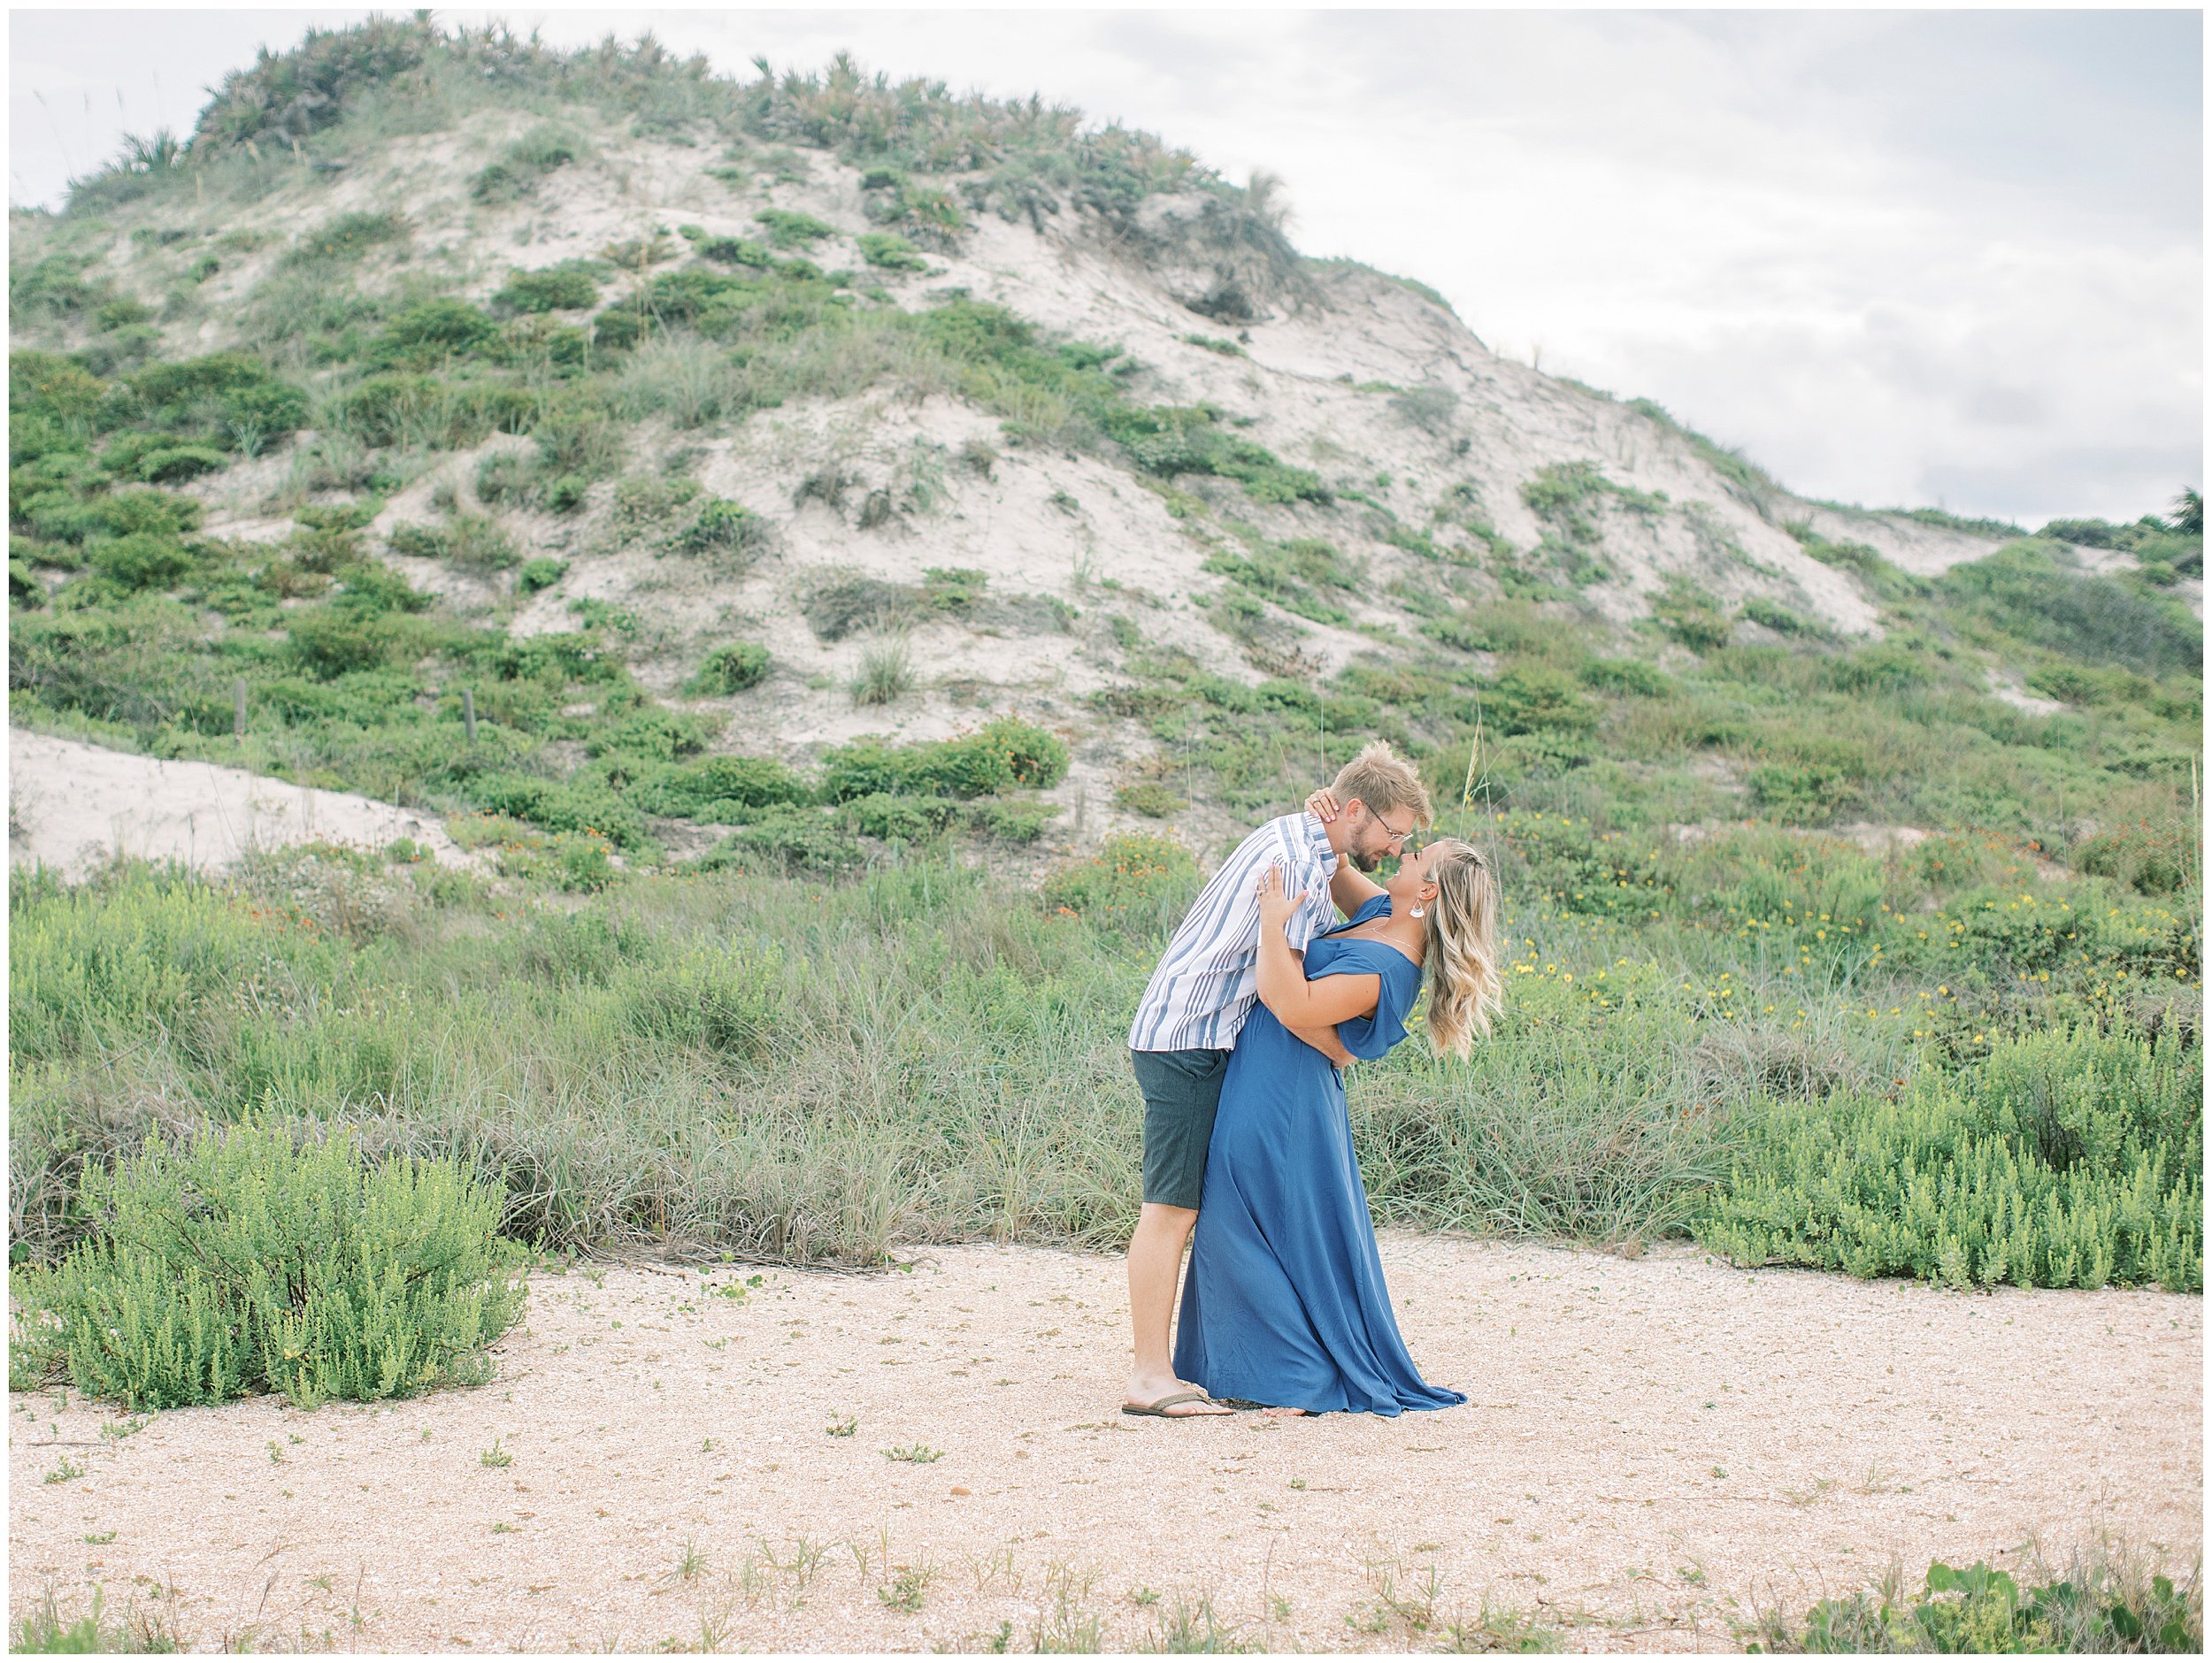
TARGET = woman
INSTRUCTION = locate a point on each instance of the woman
(1285, 1304)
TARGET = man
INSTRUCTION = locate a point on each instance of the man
(1186, 1024)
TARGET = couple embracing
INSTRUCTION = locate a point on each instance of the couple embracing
(1240, 1043)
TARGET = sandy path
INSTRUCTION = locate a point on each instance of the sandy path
(1652, 1446)
(76, 803)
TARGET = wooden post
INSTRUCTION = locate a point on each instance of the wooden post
(238, 717)
(468, 712)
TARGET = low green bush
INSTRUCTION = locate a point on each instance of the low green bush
(722, 532)
(1692, 617)
(2073, 1161)
(474, 542)
(541, 571)
(735, 668)
(1136, 882)
(720, 789)
(347, 238)
(902, 819)
(788, 839)
(142, 560)
(574, 805)
(891, 252)
(2098, 1606)
(1150, 798)
(241, 1261)
(523, 164)
(1005, 754)
(569, 286)
(790, 230)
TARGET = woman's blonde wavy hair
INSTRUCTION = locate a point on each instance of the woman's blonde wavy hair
(1465, 989)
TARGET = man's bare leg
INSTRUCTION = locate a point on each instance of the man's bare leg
(1156, 1261)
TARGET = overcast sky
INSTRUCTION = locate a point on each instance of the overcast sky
(1899, 257)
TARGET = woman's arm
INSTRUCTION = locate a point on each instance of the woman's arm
(1350, 888)
(1321, 1040)
(1284, 989)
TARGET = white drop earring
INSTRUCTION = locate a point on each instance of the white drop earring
(1416, 911)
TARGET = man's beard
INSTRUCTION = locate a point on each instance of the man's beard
(1363, 859)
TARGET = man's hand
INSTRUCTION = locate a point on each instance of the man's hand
(1325, 1041)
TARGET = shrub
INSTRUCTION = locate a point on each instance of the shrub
(1632, 676)
(1151, 799)
(1803, 793)
(523, 164)
(736, 251)
(1139, 883)
(244, 1260)
(425, 335)
(891, 252)
(474, 542)
(900, 819)
(142, 560)
(735, 668)
(2160, 858)
(571, 806)
(1006, 754)
(1535, 698)
(171, 464)
(618, 329)
(2103, 1604)
(1692, 617)
(722, 530)
(1780, 619)
(400, 408)
(540, 573)
(722, 789)
(332, 641)
(564, 288)
(348, 237)
(1012, 821)
(789, 839)
(2069, 1175)
(790, 230)
(228, 400)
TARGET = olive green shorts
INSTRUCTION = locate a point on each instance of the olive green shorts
(1181, 1090)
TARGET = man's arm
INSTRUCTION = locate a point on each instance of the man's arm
(1325, 1041)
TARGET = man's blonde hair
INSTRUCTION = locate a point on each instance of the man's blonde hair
(1384, 781)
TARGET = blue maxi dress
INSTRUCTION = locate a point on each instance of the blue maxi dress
(1283, 1302)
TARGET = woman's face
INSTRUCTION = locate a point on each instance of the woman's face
(1411, 877)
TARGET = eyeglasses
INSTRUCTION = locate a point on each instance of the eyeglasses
(1398, 840)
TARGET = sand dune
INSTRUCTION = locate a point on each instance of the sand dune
(71, 805)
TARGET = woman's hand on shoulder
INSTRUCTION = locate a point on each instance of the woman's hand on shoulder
(1323, 805)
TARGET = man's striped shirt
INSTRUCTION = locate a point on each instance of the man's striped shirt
(1209, 978)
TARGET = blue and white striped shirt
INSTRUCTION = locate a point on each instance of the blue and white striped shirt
(1209, 978)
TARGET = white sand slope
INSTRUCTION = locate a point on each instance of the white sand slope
(71, 805)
